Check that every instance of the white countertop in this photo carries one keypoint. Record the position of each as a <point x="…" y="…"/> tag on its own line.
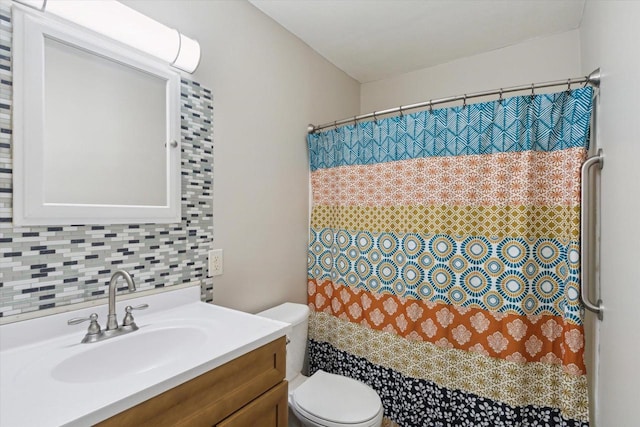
<point x="47" y="378"/>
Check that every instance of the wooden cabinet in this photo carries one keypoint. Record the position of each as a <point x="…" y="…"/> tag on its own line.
<point x="270" y="409"/>
<point x="247" y="391"/>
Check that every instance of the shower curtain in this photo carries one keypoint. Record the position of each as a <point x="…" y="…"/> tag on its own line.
<point x="444" y="261"/>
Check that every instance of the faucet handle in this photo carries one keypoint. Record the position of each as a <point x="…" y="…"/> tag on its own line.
<point x="93" y="329"/>
<point x="128" y="318"/>
<point x="137" y="307"/>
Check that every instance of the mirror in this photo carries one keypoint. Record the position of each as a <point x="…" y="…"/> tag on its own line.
<point x="109" y="158"/>
<point x="96" y="129"/>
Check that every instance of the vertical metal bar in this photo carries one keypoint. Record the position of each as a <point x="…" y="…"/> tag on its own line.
<point x="585" y="224"/>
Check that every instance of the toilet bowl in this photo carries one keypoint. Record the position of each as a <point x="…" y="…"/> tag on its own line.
<point x="331" y="400"/>
<point x="323" y="399"/>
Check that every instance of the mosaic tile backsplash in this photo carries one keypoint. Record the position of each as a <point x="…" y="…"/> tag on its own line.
<point x="46" y="267"/>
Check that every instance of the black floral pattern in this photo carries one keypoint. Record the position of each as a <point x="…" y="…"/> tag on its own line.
<point x="412" y="402"/>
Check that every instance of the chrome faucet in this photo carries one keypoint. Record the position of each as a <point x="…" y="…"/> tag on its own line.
<point x="112" y="321"/>
<point x="94" y="333"/>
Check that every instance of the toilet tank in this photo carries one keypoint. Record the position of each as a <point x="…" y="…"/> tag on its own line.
<point x="297" y="315"/>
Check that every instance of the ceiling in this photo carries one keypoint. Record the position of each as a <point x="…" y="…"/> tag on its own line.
<point x="374" y="39"/>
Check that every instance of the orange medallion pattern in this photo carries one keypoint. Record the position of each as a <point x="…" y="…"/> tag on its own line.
<point x="516" y="338"/>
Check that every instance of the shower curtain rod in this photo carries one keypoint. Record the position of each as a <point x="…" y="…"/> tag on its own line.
<point x="592" y="79"/>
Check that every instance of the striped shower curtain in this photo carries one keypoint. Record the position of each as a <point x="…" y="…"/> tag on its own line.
<point x="444" y="261"/>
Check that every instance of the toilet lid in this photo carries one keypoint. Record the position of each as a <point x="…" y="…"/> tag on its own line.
<point x="337" y="399"/>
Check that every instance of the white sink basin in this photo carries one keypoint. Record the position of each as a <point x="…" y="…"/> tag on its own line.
<point x="134" y="353"/>
<point x="42" y="360"/>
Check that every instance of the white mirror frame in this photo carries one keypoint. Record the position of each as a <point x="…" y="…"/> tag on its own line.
<point x="29" y="207"/>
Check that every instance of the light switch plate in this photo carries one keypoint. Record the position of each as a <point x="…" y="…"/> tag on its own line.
<point x="215" y="262"/>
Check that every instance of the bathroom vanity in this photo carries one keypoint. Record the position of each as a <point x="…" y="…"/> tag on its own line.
<point x="246" y="391"/>
<point x="189" y="364"/>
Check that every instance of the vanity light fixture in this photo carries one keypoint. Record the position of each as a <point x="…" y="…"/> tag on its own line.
<point x="119" y="22"/>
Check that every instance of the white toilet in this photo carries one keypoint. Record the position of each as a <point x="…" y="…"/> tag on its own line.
<point x="323" y="399"/>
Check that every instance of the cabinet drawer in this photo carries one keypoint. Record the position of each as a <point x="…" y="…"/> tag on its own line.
<point x="213" y="396"/>
<point x="269" y="410"/>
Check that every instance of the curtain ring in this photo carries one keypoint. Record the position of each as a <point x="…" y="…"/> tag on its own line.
<point x="464" y="101"/>
<point x="568" y="85"/>
<point x="431" y="106"/>
<point x="400" y="109"/>
<point x="335" y="126"/>
<point x="533" y="94"/>
<point x="375" y="119"/>
<point x="500" y="99"/>
<point x="355" y="120"/>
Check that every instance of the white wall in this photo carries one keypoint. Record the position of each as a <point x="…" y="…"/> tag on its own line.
<point x="537" y="60"/>
<point x="609" y="39"/>
<point x="267" y="86"/>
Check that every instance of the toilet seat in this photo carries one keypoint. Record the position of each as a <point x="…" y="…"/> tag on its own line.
<point x="333" y="401"/>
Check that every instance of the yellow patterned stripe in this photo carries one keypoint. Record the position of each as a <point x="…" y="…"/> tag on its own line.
<point x="516" y="384"/>
<point x="562" y="222"/>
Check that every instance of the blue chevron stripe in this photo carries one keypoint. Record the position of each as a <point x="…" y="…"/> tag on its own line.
<point x="546" y="122"/>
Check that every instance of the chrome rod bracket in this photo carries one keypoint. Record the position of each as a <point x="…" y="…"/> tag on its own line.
<point x="594" y="78"/>
<point x="585" y="225"/>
